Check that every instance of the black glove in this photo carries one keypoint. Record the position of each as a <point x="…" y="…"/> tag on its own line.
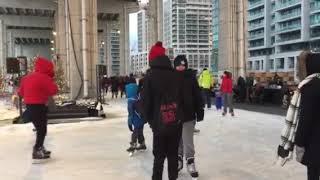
<point x="200" y="115"/>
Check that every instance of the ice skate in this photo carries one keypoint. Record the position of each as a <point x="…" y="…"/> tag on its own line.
<point x="196" y="131"/>
<point x="191" y="167"/>
<point x="232" y="114"/>
<point x="224" y="114"/>
<point x="141" y="147"/>
<point x="38" y="156"/>
<point x="131" y="149"/>
<point x="46" y="152"/>
<point x="180" y="163"/>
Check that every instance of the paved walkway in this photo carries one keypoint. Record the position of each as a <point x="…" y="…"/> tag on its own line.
<point x="240" y="148"/>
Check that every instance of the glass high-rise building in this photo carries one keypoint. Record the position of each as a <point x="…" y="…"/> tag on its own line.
<point x="278" y="30"/>
<point x="187" y="30"/>
<point x="115" y="52"/>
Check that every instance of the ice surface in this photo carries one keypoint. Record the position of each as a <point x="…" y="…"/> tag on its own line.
<point x="239" y="148"/>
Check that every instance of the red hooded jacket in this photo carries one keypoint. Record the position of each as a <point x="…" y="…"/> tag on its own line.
<point x="226" y="86"/>
<point x="37" y="87"/>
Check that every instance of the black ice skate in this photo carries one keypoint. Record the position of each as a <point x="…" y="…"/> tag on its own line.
<point x="191" y="167"/>
<point x="141" y="147"/>
<point x="131" y="149"/>
<point x="180" y="163"/>
<point x="46" y="152"/>
<point x="38" y="156"/>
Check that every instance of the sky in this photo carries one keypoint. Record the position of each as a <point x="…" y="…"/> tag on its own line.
<point x="133" y="28"/>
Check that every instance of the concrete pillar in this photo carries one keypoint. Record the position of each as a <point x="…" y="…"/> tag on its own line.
<point x="108" y="48"/>
<point x="124" y="41"/>
<point x="75" y="46"/>
<point x="2" y="48"/>
<point x="232" y="47"/>
<point x="61" y="39"/>
<point x="154" y="22"/>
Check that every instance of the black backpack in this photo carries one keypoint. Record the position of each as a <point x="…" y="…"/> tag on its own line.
<point x="170" y="109"/>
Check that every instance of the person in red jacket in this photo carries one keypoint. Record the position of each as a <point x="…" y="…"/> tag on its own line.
<point x="35" y="89"/>
<point x="226" y="89"/>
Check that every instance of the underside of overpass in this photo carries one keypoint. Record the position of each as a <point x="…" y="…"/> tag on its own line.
<point x="76" y="34"/>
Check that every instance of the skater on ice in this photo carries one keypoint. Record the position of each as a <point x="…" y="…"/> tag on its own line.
<point x="227" y="92"/>
<point x="135" y="121"/>
<point x="206" y="83"/>
<point x="193" y="111"/>
<point x="35" y="89"/>
<point x="162" y="108"/>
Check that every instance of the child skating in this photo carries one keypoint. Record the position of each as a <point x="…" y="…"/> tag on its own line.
<point x="135" y="121"/>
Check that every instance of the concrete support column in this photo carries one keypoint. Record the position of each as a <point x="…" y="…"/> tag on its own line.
<point x="108" y="48"/>
<point x="155" y="16"/>
<point x="75" y="46"/>
<point x="61" y="39"/>
<point x="124" y="41"/>
<point x="10" y="44"/>
<point x="2" y="48"/>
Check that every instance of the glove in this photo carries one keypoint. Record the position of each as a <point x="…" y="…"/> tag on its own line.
<point x="300" y="153"/>
<point x="200" y="115"/>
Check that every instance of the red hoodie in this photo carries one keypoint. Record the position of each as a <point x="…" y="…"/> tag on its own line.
<point x="226" y="86"/>
<point x="38" y="86"/>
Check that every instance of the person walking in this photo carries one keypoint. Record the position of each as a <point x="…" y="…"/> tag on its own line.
<point x="308" y="133"/>
<point x="303" y="118"/>
<point x="114" y="87"/>
<point x="193" y="111"/>
<point x="206" y="83"/>
<point x="226" y="89"/>
<point x="162" y="108"/>
<point x="135" y="121"/>
<point x="35" y="89"/>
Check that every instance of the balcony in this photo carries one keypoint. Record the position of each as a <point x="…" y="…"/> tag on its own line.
<point x="289" y="16"/>
<point x="288" y="28"/>
<point x="315" y="20"/>
<point x="256" y="36"/>
<point x="256" y="26"/>
<point x="315" y="7"/>
<point x="287" y="4"/>
<point x="256" y="4"/>
<point x="255" y="16"/>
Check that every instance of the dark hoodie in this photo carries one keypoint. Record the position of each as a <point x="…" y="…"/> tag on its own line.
<point x="160" y="79"/>
<point x="308" y="132"/>
<point x="38" y="86"/>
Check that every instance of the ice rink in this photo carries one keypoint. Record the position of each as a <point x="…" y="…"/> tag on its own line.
<point x="239" y="148"/>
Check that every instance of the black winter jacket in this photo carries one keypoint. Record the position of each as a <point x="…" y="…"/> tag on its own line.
<point x="192" y="97"/>
<point x="160" y="79"/>
<point x="308" y="132"/>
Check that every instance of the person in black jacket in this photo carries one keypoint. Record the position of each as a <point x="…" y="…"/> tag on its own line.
<point x="160" y="83"/>
<point x="193" y="111"/>
<point x="308" y="133"/>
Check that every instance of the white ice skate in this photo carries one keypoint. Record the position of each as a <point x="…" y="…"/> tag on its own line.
<point x="191" y="167"/>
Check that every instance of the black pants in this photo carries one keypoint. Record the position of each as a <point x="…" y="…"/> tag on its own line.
<point x="137" y="135"/>
<point x="38" y="114"/>
<point x="313" y="173"/>
<point x="166" y="145"/>
<point x="206" y="93"/>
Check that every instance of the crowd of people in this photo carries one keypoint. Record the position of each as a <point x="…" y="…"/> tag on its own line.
<point x="171" y="98"/>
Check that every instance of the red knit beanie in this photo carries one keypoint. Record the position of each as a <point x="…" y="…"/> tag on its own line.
<point x="156" y="51"/>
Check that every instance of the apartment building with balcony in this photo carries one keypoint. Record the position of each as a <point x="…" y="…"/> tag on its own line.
<point x="278" y="30"/>
<point x="188" y="31"/>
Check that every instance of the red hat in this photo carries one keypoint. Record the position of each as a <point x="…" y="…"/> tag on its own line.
<point x="156" y="51"/>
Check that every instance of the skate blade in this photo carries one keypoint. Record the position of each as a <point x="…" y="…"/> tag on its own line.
<point x="40" y="161"/>
<point x="131" y="154"/>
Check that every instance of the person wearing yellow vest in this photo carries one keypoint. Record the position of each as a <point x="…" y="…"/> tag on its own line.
<point x="206" y="83"/>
